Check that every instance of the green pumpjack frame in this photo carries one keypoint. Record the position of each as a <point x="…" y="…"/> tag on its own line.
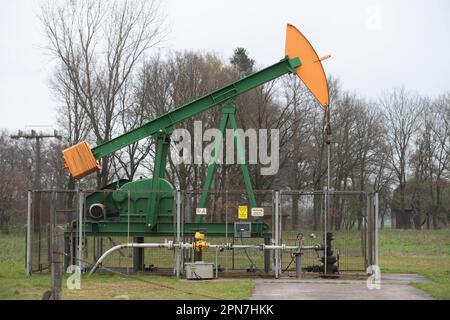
<point x="160" y="129"/>
<point x="228" y="112"/>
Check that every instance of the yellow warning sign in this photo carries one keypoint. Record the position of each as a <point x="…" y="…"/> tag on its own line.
<point x="242" y="212"/>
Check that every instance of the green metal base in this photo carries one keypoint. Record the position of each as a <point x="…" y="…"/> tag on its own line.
<point x="108" y="229"/>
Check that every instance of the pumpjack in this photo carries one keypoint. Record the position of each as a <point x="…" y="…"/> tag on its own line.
<point x="145" y="207"/>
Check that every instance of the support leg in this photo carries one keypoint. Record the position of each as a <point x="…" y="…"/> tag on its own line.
<point x="57" y="263"/>
<point x="198" y="256"/>
<point x="138" y="255"/>
<point x="227" y="115"/>
<point x="73" y="251"/>
<point x="67" y="251"/>
<point x="212" y="167"/>
<point x="267" y="256"/>
<point x="98" y="247"/>
<point x="159" y="171"/>
<point x="243" y="163"/>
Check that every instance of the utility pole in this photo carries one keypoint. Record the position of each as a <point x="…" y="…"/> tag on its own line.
<point x="38" y="137"/>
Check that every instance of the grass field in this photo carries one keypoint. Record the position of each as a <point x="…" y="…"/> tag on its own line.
<point x="401" y="251"/>
<point x="426" y="252"/>
<point x="15" y="285"/>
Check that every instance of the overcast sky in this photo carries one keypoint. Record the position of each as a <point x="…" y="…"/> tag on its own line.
<point x="375" y="45"/>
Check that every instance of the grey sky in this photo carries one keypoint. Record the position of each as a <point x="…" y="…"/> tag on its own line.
<point x="375" y="45"/>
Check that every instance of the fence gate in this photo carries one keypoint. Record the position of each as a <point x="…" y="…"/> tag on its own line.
<point x="348" y="218"/>
<point x="46" y="210"/>
<point x="223" y="209"/>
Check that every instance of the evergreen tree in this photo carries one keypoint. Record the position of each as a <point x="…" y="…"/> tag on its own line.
<point x="242" y="62"/>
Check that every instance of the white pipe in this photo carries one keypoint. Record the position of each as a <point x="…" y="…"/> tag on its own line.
<point x="285" y="247"/>
<point x="130" y="245"/>
<point x="171" y="245"/>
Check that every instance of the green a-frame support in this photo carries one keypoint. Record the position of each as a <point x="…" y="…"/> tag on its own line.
<point x="228" y="112"/>
<point x="159" y="170"/>
<point x="162" y="145"/>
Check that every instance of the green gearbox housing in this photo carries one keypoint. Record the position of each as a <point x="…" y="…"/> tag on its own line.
<point x="126" y="207"/>
<point x="129" y="201"/>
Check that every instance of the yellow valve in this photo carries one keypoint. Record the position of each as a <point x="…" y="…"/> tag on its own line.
<point x="199" y="236"/>
<point x="200" y="244"/>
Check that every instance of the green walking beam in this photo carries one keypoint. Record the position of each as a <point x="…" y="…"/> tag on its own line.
<point x="81" y="160"/>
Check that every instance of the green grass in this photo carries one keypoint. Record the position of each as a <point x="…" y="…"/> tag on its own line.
<point x="101" y="287"/>
<point x="426" y="252"/>
<point x="415" y="242"/>
<point x="439" y="288"/>
<point x="435" y="268"/>
<point x="14" y="284"/>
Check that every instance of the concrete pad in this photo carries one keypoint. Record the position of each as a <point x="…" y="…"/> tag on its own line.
<point x="393" y="287"/>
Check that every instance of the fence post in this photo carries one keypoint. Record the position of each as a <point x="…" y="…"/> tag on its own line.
<point x="368" y="247"/>
<point x="277" y="221"/>
<point x="325" y="223"/>
<point x="375" y="225"/>
<point x="80" y="229"/>
<point x="57" y="262"/>
<point x="178" y="249"/>
<point x="28" y="243"/>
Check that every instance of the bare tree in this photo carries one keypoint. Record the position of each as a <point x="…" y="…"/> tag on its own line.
<point x="402" y="114"/>
<point x="99" y="44"/>
<point x="298" y="174"/>
<point x="72" y="119"/>
<point x="15" y="177"/>
<point x="382" y="174"/>
<point x="132" y="114"/>
<point x="441" y="158"/>
<point x="430" y="161"/>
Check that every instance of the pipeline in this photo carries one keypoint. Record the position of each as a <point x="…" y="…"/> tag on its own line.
<point x="225" y="246"/>
<point x="167" y="244"/>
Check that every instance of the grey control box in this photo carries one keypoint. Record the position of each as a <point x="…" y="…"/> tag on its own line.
<point x="199" y="270"/>
<point x="242" y="229"/>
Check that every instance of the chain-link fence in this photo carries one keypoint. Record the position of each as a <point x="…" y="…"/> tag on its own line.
<point x="228" y="212"/>
<point x="345" y="217"/>
<point x="108" y="218"/>
<point x="335" y="230"/>
<point x="46" y="210"/>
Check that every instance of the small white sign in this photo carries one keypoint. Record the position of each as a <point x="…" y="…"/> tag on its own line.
<point x="201" y="211"/>
<point x="257" y="212"/>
